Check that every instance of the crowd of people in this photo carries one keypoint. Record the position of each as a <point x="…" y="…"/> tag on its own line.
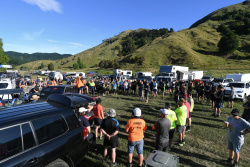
<point x="172" y="119"/>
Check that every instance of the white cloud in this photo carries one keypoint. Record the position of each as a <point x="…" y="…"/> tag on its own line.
<point x="32" y="35"/>
<point x="46" y="5"/>
<point x="53" y="41"/>
<point x="77" y="44"/>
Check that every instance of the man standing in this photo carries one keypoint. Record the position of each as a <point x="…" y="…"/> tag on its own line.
<point x="162" y="128"/>
<point x="218" y="101"/>
<point x="135" y="128"/>
<point x="110" y="128"/>
<point x="181" y="112"/>
<point x="172" y="117"/>
<point x="99" y="116"/>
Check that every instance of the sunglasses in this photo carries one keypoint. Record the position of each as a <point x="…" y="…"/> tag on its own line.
<point x="234" y="115"/>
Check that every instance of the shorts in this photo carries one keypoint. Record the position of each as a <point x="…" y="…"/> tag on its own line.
<point x="91" y="137"/>
<point x="180" y="129"/>
<point x="189" y="114"/>
<point x="98" y="121"/>
<point x="171" y="133"/>
<point x="147" y="94"/>
<point x="82" y="87"/>
<point x="113" y="142"/>
<point x="231" y="99"/>
<point x="162" y="146"/>
<point x="235" y="147"/>
<point x="218" y="104"/>
<point x="141" y="93"/>
<point x="114" y="90"/>
<point x="137" y="144"/>
<point x="162" y="91"/>
<point x="155" y="91"/>
<point x="201" y="94"/>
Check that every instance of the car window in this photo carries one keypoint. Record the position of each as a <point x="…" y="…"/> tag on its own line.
<point x="49" y="127"/>
<point x="10" y="142"/>
<point x="70" y="89"/>
<point x="28" y="138"/>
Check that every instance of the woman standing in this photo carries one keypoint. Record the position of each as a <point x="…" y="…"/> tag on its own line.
<point x="235" y="136"/>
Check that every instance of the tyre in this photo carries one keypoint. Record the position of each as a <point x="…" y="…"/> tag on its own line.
<point x="58" y="163"/>
<point x="244" y="98"/>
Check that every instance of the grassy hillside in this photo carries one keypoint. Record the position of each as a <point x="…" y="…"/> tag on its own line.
<point x="195" y="47"/>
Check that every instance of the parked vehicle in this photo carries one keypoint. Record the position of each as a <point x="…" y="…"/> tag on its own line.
<point x="74" y="74"/>
<point x="178" y="72"/>
<point x="207" y="78"/>
<point x="59" y="89"/>
<point x="40" y="134"/>
<point x="239" y="77"/>
<point x="56" y="75"/>
<point x="144" y="74"/>
<point x="241" y="90"/>
<point x="223" y="81"/>
<point x="195" y="75"/>
<point x="122" y="72"/>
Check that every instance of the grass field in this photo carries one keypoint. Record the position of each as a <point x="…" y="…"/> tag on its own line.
<point x="205" y="144"/>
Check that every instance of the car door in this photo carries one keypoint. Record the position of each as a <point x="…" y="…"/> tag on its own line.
<point x="19" y="147"/>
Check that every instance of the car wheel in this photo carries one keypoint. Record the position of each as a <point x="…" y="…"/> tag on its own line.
<point x="244" y="98"/>
<point x="58" y="163"/>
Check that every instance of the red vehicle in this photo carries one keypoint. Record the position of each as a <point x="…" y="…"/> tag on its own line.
<point x="197" y="80"/>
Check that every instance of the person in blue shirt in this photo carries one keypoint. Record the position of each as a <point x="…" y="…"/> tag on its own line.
<point x="114" y="86"/>
<point x="235" y="136"/>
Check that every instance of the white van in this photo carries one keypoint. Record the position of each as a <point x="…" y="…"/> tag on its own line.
<point x="241" y="90"/>
<point x="56" y="75"/>
<point x="239" y="77"/>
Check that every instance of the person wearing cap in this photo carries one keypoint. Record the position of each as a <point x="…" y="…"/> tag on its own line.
<point x="85" y="123"/>
<point x="135" y="128"/>
<point x="181" y="112"/>
<point x="110" y="128"/>
<point x="172" y="117"/>
<point x="162" y="128"/>
<point x="99" y="116"/>
<point x="34" y="98"/>
<point x="235" y="137"/>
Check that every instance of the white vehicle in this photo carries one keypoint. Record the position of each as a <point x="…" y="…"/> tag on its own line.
<point x="74" y="74"/>
<point x="144" y="74"/>
<point x="195" y="75"/>
<point x="223" y="81"/>
<point x="241" y="90"/>
<point x="122" y="72"/>
<point x="56" y="75"/>
<point x="239" y="77"/>
<point x="178" y="72"/>
<point x="7" y="83"/>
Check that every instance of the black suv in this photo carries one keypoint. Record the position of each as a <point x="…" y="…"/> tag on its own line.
<point x="40" y="134"/>
<point x="59" y="89"/>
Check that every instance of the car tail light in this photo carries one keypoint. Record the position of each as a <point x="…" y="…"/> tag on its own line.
<point x="85" y="133"/>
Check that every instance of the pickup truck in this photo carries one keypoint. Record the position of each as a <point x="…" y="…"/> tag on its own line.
<point x="241" y="90"/>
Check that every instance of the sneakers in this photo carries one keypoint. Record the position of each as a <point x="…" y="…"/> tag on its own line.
<point x="181" y="144"/>
<point x="236" y="164"/>
<point x="114" y="164"/>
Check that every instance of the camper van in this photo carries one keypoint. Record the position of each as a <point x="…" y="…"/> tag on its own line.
<point x="178" y="72"/>
<point x="122" y="72"/>
<point x="239" y="77"/>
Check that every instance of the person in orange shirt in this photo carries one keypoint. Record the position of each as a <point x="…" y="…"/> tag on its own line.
<point x="99" y="116"/>
<point x="135" y="128"/>
<point x="79" y="83"/>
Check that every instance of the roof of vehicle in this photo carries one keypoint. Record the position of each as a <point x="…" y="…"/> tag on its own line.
<point x="21" y="113"/>
<point x="61" y="86"/>
<point x="11" y="91"/>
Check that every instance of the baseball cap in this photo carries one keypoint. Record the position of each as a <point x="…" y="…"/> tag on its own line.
<point x="164" y="111"/>
<point x="112" y="112"/>
<point x="82" y="109"/>
<point x="137" y="112"/>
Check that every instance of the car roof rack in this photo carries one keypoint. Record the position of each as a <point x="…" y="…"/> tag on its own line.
<point x="60" y="99"/>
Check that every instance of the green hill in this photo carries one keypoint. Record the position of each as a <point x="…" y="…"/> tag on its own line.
<point x="195" y="47"/>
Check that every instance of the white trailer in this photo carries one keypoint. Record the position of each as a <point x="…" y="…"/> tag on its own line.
<point x="122" y="72"/>
<point x="239" y="77"/>
<point x="195" y="75"/>
<point x="178" y="72"/>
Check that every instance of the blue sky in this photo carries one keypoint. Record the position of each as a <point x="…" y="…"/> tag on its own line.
<point x="72" y="26"/>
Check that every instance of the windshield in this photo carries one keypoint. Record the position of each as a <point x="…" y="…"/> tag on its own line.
<point x="218" y="80"/>
<point x="205" y="77"/>
<point x="236" y="85"/>
<point x="3" y="85"/>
